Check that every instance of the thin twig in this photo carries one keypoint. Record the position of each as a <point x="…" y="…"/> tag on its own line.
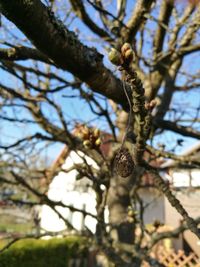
<point x="129" y="115"/>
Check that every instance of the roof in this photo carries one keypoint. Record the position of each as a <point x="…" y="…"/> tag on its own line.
<point x="193" y="152"/>
<point x="146" y="180"/>
<point x="105" y="147"/>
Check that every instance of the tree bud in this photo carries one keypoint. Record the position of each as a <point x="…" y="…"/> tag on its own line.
<point x="125" y="47"/>
<point x="115" y="57"/>
<point x="131" y="213"/>
<point x="96" y="132"/>
<point x="87" y="144"/>
<point x="98" y="142"/>
<point x="129" y="55"/>
<point x="85" y="132"/>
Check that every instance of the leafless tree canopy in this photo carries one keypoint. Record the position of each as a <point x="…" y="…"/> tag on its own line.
<point x="58" y="86"/>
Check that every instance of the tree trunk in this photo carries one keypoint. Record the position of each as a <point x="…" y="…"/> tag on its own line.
<point x="118" y="202"/>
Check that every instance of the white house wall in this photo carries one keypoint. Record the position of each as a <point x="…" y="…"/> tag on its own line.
<point x="77" y="194"/>
<point x="190" y="199"/>
<point x="184" y="178"/>
<point x="154" y="203"/>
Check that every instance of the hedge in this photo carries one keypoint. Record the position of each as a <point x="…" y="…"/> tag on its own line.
<point x="55" y="252"/>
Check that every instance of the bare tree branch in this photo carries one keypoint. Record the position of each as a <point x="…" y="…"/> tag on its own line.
<point x="80" y="11"/>
<point x="183" y="130"/>
<point x="22" y="53"/>
<point x="67" y="52"/>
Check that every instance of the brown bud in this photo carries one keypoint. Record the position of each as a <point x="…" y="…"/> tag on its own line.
<point x="87" y="144"/>
<point x="129" y="55"/>
<point x="157" y="223"/>
<point x="153" y="103"/>
<point x="85" y="131"/>
<point x="96" y="132"/>
<point x="125" y="47"/>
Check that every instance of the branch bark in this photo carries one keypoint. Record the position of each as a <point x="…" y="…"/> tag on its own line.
<point x="164" y="17"/>
<point x="172" y="126"/>
<point x="22" y="53"/>
<point x="136" y="20"/>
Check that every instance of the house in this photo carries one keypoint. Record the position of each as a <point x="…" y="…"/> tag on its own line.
<point x="185" y="183"/>
<point x="65" y="187"/>
<point x="72" y="192"/>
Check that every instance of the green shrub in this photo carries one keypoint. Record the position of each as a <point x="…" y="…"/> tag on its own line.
<point x="55" y="252"/>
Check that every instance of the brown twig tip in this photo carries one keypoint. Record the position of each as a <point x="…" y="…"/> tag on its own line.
<point x="127" y="53"/>
<point x="123" y="57"/>
<point x="91" y="136"/>
<point x="151" y="105"/>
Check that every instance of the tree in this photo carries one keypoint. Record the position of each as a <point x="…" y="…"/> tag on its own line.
<point x="153" y="44"/>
